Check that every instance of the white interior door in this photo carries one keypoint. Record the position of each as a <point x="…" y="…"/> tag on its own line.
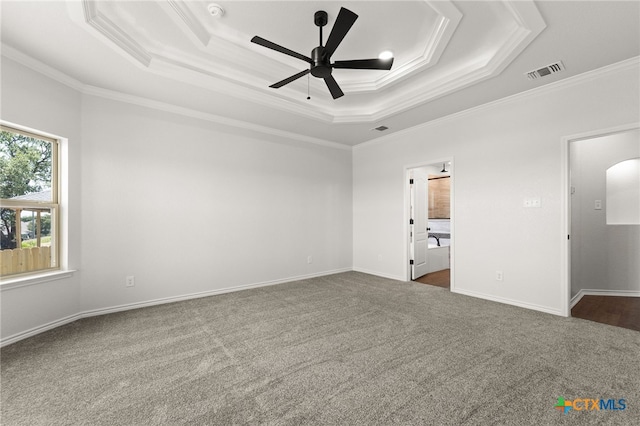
<point x="418" y="223"/>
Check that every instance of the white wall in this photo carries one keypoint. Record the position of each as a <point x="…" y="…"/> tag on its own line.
<point x="29" y="99"/>
<point x="190" y="206"/>
<point x="185" y="205"/>
<point x="503" y="153"/>
<point x="603" y="257"/>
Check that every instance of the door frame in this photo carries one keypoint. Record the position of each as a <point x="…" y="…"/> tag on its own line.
<point x="565" y="207"/>
<point x="407" y="213"/>
<point x="419" y="236"/>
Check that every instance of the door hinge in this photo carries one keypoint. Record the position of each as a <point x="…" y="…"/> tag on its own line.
<point x="410" y="221"/>
<point x="410" y="181"/>
<point x="411" y="262"/>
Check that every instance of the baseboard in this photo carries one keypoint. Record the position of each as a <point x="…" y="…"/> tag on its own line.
<point x="595" y="292"/>
<point x="136" y="305"/>
<point x="40" y="329"/>
<point x="378" y="274"/>
<point x="103" y="311"/>
<point x="510" y="302"/>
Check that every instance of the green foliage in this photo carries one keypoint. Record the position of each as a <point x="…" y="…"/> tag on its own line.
<point x="30" y="224"/>
<point x="25" y="165"/>
<point x="45" y="241"/>
<point x="25" y="168"/>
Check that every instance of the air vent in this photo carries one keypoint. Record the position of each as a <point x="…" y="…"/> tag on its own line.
<point x="545" y="71"/>
<point x="380" y="128"/>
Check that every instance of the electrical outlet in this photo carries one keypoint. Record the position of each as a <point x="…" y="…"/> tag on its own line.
<point x="499" y="276"/>
<point x="532" y="202"/>
<point x="309" y="260"/>
<point x="130" y="281"/>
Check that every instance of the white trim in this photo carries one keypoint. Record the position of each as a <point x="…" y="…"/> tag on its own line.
<point x="565" y="229"/>
<point x="39" y="329"/>
<point x="567" y="302"/>
<point x="11" y="283"/>
<point x="36" y="133"/>
<point x="378" y="274"/>
<point x="596" y="292"/>
<point x="530" y="24"/>
<point x="510" y="302"/>
<point x="125" y="307"/>
<point x="190" y="21"/>
<point x="537" y="91"/>
<point x="136" y="305"/>
<point x="60" y="77"/>
<point x="40" y="67"/>
<point x="187" y="112"/>
<point x="86" y="89"/>
<point x="110" y="30"/>
<point x="436" y="43"/>
<point x="524" y="13"/>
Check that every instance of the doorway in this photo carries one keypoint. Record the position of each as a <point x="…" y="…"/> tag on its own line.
<point x="602" y="274"/>
<point x="430" y="223"/>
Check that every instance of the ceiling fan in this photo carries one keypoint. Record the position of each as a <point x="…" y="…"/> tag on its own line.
<point x="320" y="60"/>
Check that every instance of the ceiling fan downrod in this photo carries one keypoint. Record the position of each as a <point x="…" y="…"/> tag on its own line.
<point x="320" y="18"/>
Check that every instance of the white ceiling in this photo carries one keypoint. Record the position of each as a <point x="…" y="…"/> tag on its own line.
<point x="449" y="55"/>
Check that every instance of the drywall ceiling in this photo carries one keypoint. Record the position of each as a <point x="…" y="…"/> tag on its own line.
<point x="449" y="55"/>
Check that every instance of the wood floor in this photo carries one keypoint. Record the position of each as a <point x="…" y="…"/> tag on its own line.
<point x="613" y="310"/>
<point x="438" y="278"/>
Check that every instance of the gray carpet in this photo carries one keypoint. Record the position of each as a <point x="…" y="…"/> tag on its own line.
<point x="347" y="349"/>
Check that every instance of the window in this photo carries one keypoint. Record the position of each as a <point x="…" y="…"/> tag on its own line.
<point x="29" y="210"/>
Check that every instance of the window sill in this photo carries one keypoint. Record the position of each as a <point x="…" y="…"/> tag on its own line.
<point x="23" y="281"/>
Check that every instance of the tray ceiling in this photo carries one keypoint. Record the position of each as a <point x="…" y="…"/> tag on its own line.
<point x="449" y="56"/>
<point x="181" y="40"/>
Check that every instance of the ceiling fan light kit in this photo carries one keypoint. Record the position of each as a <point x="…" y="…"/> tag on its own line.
<point x="320" y="65"/>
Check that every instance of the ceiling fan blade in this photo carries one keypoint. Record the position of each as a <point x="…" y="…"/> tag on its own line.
<point x="365" y="64"/>
<point x="278" y="48"/>
<point x="343" y="24"/>
<point x="332" y="84"/>
<point x="290" y="79"/>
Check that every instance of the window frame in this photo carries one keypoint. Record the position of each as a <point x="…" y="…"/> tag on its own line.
<point x="53" y="205"/>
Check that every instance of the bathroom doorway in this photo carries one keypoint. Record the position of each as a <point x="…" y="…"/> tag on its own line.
<point x="604" y="226"/>
<point x="435" y="258"/>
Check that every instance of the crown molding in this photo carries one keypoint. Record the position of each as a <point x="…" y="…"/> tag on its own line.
<point x="60" y="77"/>
<point x="213" y="118"/>
<point x="190" y="21"/>
<point x="114" y="33"/>
<point x="235" y="73"/>
<point x="437" y="42"/>
<point x="424" y="93"/>
<point x="198" y="76"/>
<point x="625" y="65"/>
<point x="40" y="67"/>
<point x="529" y="25"/>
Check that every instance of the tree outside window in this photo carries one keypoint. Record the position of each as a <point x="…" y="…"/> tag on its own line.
<point x="28" y="201"/>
